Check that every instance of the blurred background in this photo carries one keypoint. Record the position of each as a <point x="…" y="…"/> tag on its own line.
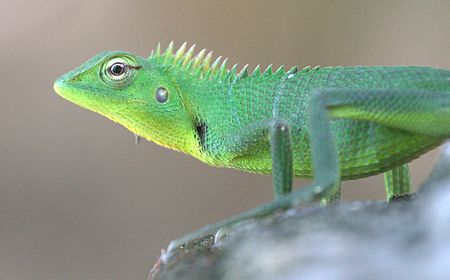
<point x="79" y="200"/>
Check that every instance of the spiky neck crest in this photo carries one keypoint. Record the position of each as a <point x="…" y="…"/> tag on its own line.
<point x="201" y="66"/>
<point x="193" y="75"/>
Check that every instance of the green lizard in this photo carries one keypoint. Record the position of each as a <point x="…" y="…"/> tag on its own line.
<point x="329" y="124"/>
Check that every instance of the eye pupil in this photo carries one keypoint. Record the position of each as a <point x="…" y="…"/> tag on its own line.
<point x="117" y="69"/>
<point x="161" y="95"/>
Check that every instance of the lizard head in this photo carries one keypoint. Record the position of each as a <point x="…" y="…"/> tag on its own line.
<point x="134" y="92"/>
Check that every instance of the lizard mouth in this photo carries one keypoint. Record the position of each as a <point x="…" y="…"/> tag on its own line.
<point x="74" y="93"/>
<point x="87" y="97"/>
<point x="110" y="106"/>
<point x="68" y="87"/>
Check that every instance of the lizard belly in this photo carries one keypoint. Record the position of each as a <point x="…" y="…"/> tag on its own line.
<point x="365" y="149"/>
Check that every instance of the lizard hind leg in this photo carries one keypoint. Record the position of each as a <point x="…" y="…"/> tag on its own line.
<point x="397" y="182"/>
<point x="419" y="112"/>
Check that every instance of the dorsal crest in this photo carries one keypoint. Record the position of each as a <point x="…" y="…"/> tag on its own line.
<point x="204" y="67"/>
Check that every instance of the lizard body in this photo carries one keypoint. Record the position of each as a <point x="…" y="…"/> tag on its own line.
<point x="264" y="121"/>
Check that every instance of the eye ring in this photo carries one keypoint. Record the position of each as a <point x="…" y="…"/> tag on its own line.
<point x="161" y="95"/>
<point x="119" y="71"/>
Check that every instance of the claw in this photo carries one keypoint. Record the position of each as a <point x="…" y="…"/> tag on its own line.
<point x="221" y="234"/>
<point x="137" y="139"/>
<point x="173" y="246"/>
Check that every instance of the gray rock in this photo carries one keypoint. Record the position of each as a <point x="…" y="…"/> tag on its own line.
<point x="406" y="239"/>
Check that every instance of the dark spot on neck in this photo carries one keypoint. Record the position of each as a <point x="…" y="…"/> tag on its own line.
<point x="202" y="129"/>
<point x="135" y="67"/>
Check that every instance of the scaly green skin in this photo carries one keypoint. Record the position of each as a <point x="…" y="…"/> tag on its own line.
<point x="366" y="120"/>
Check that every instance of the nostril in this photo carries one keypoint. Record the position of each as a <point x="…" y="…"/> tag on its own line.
<point x="69" y="78"/>
<point x="75" y="79"/>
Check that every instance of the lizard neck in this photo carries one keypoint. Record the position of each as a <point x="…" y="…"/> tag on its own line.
<point x="197" y="95"/>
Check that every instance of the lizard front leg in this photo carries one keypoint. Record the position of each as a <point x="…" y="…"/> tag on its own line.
<point x="278" y="134"/>
<point x="240" y="143"/>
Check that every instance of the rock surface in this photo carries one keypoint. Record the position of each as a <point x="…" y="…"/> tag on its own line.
<point x="407" y="239"/>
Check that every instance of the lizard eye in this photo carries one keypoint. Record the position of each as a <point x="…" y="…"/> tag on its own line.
<point x="161" y="95"/>
<point x="117" y="69"/>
